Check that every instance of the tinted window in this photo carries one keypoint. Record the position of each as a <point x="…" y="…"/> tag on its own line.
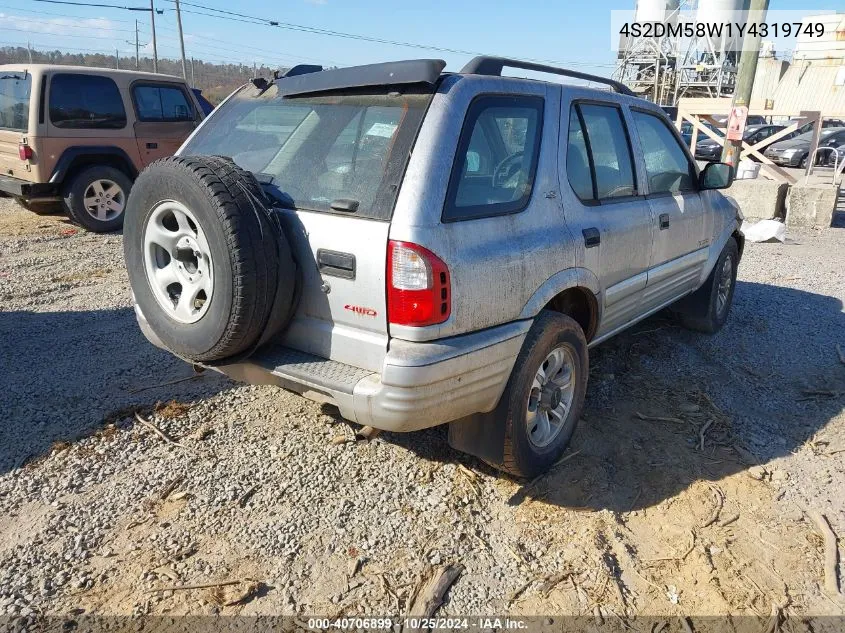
<point x="667" y="167"/>
<point x="162" y="103"/>
<point x="15" y="88"/>
<point x="85" y="101"/>
<point x="497" y="156"/>
<point x="608" y="150"/>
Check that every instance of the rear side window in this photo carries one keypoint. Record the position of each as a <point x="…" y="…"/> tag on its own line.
<point x="599" y="162"/>
<point x="162" y="103"/>
<point x="667" y="167"/>
<point x="15" y="88"/>
<point x="85" y="102"/>
<point x="497" y="155"/>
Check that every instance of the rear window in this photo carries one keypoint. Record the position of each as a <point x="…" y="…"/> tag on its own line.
<point x="15" y="88"/>
<point x="85" y="102"/>
<point x="311" y="151"/>
<point x="162" y="103"/>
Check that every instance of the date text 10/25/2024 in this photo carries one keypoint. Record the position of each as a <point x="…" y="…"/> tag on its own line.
<point x="418" y="624"/>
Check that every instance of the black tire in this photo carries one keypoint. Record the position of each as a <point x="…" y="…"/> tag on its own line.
<point x="74" y="197"/>
<point x="804" y="160"/>
<point x="550" y="330"/>
<point x="251" y="263"/>
<point x="700" y="310"/>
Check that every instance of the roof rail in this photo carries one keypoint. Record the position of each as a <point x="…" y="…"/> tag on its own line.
<point x="484" y="65"/>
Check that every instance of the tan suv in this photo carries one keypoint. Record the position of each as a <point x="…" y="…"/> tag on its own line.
<point x="79" y="136"/>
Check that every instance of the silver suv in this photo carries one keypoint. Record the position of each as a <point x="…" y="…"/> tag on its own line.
<point x="419" y="247"/>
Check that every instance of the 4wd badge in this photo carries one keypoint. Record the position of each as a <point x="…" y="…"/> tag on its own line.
<point x="360" y="310"/>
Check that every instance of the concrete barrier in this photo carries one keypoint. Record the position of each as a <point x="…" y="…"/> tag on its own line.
<point x="759" y="199"/>
<point x="811" y="205"/>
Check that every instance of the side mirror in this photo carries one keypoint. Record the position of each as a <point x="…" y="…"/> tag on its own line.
<point x="716" y="176"/>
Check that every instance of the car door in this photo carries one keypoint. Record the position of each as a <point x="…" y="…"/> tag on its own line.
<point x="680" y="222"/>
<point x="603" y="210"/>
<point x="165" y="116"/>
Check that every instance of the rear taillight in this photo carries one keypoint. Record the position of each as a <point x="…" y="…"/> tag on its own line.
<point x="418" y="288"/>
<point x="25" y="152"/>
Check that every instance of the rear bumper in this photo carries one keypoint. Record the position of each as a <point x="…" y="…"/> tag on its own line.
<point x="421" y="384"/>
<point x="782" y="161"/>
<point x="25" y="189"/>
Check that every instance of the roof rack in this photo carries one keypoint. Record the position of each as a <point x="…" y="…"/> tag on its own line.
<point x="484" y="65"/>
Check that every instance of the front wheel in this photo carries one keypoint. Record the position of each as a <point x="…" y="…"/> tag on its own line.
<point x="707" y="309"/>
<point x="545" y="394"/>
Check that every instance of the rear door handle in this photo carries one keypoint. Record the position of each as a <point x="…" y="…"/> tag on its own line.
<point x="152" y="145"/>
<point x="664" y="221"/>
<point x="336" y="264"/>
<point x="592" y="237"/>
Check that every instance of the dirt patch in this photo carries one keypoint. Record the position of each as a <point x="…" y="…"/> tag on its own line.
<point x="172" y="410"/>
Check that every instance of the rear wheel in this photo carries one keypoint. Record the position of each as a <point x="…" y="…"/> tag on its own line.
<point x="545" y="394"/>
<point x="96" y="198"/>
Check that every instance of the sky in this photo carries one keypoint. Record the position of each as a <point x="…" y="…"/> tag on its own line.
<point x="569" y="33"/>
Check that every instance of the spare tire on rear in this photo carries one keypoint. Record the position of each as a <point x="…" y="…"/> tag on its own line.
<point x="209" y="266"/>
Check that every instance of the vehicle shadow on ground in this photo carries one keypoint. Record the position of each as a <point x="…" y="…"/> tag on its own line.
<point x="756" y="391"/>
<point x="63" y="377"/>
<point x="656" y="390"/>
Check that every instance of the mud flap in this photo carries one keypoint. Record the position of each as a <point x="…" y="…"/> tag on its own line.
<point x="481" y="434"/>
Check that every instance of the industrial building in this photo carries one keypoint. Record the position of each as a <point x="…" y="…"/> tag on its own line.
<point x="667" y="70"/>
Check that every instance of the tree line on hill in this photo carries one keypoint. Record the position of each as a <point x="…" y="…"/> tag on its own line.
<point x="215" y="80"/>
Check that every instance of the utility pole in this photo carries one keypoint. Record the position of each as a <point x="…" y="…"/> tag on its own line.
<point x="153" y="26"/>
<point x="117" y="59"/>
<point x="29" y="51"/>
<point x="193" y="83"/>
<point x="137" y="47"/>
<point x="745" y="73"/>
<point x="254" y="69"/>
<point x="181" y="40"/>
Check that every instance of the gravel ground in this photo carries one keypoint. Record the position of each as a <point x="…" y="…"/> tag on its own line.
<point x="253" y="482"/>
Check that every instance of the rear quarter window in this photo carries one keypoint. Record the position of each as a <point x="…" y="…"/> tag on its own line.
<point x="496" y="161"/>
<point x="86" y="102"/>
<point x="15" y="90"/>
<point x="162" y="103"/>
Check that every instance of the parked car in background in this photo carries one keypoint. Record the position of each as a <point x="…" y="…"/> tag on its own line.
<point x="808" y="127"/>
<point x="710" y="150"/>
<point x="795" y="152"/>
<point x="79" y="136"/>
<point x="832" y="159"/>
<point x="421" y="248"/>
<point x="686" y="132"/>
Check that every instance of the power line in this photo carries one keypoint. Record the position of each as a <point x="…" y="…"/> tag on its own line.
<point x="250" y="19"/>
<point x="64" y="26"/>
<point x="84" y="37"/>
<point x="60" y="15"/>
<point x="47" y="48"/>
<point x="94" y="4"/>
<point x="251" y="50"/>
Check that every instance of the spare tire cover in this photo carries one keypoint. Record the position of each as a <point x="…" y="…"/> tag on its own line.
<point x="207" y="262"/>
